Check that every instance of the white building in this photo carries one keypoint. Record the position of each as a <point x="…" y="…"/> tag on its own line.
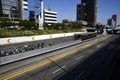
<point x="50" y="16"/>
<point x="46" y="16"/>
<point x="25" y="4"/>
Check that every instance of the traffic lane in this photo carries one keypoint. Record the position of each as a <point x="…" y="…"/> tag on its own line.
<point x="115" y="71"/>
<point x="29" y="61"/>
<point x="100" y="64"/>
<point x="12" y="67"/>
<point x="86" y="54"/>
<point x="46" y="72"/>
<point x="93" y="64"/>
<point x="106" y="67"/>
<point x="36" y="58"/>
<point x="42" y="71"/>
<point x="74" y="50"/>
<point x="37" y="74"/>
<point x="91" y="50"/>
<point x="67" y="61"/>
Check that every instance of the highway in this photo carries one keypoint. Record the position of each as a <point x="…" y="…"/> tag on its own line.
<point x="85" y="61"/>
<point x="97" y="67"/>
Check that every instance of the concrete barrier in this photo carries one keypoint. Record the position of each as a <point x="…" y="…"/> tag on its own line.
<point x="11" y="40"/>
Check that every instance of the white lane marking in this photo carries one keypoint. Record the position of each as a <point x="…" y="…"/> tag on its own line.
<point x="91" y="51"/>
<point x="79" y="57"/>
<point x="58" y="69"/>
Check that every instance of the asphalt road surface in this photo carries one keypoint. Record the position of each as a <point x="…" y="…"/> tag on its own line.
<point x="97" y="67"/>
<point x="86" y="61"/>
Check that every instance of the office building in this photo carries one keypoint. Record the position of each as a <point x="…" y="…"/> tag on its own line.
<point x="81" y="12"/>
<point x="109" y="22"/>
<point x="50" y="17"/>
<point x="87" y="11"/>
<point x="46" y="16"/>
<point x="13" y="9"/>
<point x="32" y="15"/>
<point x="25" y="4"/>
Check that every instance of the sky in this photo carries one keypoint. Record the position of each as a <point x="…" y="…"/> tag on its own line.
<point x="66" y="9"/>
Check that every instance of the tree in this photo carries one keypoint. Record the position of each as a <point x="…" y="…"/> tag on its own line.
<point x="6" y="24"/>
<point x="3" y="22"/>
<point x="28" y="25"/>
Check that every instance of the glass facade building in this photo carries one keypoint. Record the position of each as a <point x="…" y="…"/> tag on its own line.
<point x="11" y="9"/>
<point x="32" y="15"/>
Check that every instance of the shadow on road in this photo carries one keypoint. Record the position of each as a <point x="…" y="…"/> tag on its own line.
<point x="99" y="66"/>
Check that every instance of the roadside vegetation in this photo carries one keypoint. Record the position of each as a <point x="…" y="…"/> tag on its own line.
<point x="28" y="28"/>
<point x="17" y="33"/>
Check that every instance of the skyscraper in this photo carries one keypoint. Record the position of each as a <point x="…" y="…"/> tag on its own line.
<point x="87" y="11"/>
